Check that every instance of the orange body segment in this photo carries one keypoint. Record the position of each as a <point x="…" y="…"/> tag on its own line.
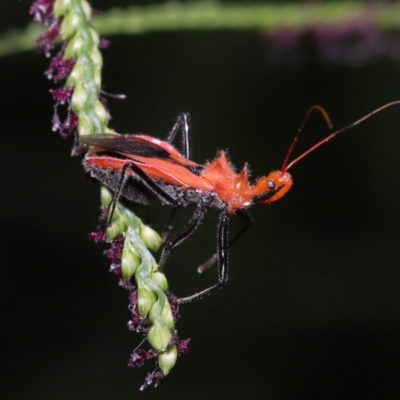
<point x="157" y="169"/>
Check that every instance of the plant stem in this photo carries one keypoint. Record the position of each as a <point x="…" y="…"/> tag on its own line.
<point x="211" y="15"/>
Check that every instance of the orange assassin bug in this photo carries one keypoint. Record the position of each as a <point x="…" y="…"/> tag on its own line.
<point x="134" y="166"/>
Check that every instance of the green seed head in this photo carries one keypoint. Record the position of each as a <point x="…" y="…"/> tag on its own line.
<point x="78" y="99"/>
<point x="159" y="337"/>
<point x="96" y="57"/>
<point x="61" y="7"/>
<point x="101" y="112"/>
<point x="113" y="231"/>
<point x="95" y="36"/>
<point x="105" y="196"/>
<point x="76" y="76"/>
<point x="74" y="47"/>
<point x="146" y="299"/>
<point x="69" y="25"/>
<point x="150" y="238"/>
<point x="119" y="225"/>
<point x="87" y="9"/>
<point x="167" y="360"/>
<point x="84" y="126"/>
<point x="160" y="279"/>
<point x="165" y="315"/>
<point x="129" y="263"/>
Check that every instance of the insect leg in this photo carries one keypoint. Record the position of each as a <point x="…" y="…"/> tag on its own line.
<point x="168" y="226"/>
<point x="150" y="183"/>
<point x="183" y="234"/>
<point x="222" y="262"/>
<point x="182" y="123"/>
<point x="117" y="195"/>
<point x="248" y="223"/>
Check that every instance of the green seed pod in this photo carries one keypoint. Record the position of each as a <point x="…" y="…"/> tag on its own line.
<point x="96" y="57"/>
<point x="159" y="337"/>
<point x="165" y="315"/>
<point x="122" y="219"/>
<point x="87" y="9"/>
<point x="84" y="126"/>
<point x="119" y="225"/>
<point x="101" y="112"/>
<point x="74" y="47"/>
<point x="113" y="231"/>
<point x="76" y="76"/>
<point x="154" y="266"/>
<point x="95" y="36"/>
<point x="146" y="299"/>
<point x="69" y="25"/>
<point x="129" y="263"/>
<point x="167" y="360"/>
<point x="78" y="98"/>
<point x="106" y="197"/>
<point x="97" y="77"/>
<point x="61" y="7"/>
<point x="160" y="279"/>
<point x="150" y="238"/>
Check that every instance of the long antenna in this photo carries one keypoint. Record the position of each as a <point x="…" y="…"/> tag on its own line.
<point x="332" y="135"/>
<point x="296" y="138"/>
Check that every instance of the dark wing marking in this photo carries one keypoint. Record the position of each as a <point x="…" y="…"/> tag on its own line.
<point x="129" y="146"/>
<point x="125" y="144"/>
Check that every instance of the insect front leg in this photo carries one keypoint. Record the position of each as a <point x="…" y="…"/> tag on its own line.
<point x="222" y="252"/>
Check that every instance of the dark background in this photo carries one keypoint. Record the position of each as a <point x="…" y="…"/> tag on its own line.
<point x="312" y="308"/>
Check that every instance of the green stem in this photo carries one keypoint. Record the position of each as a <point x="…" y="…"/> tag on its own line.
<point x="212" y="15"/>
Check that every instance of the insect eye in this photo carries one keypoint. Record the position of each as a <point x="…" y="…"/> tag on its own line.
<point x="271" y="185"/>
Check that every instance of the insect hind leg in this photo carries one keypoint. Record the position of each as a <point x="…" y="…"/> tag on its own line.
<point x="182" y="123"/>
